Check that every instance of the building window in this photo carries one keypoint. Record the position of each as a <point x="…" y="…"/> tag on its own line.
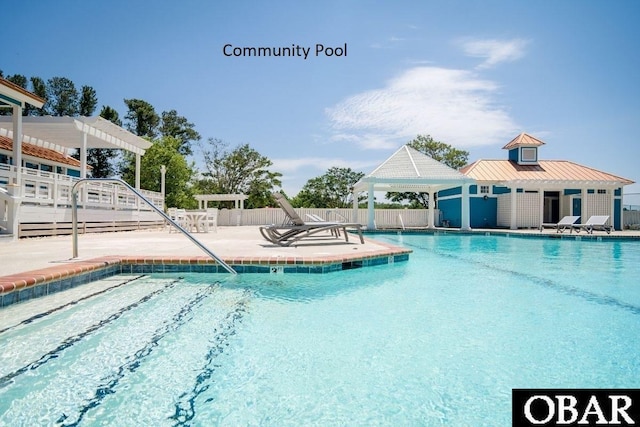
<point x="31" y="165"/>
<point x="601" y="191"/>
<point x="528" y="154"/>
<point x="484" y="189"/>
<point x="4" y="159"/>
<point x="46" y="168"/>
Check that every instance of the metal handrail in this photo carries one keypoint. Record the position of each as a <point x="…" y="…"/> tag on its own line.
<point x="74" y="215"/>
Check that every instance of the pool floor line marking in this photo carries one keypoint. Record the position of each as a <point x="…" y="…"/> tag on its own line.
<point x="185" y="407"/>
<point x="110" y="383"/>
<point x="548" y="283"/>
<point x="70" y="303"/>
<point x="68" y="342"/>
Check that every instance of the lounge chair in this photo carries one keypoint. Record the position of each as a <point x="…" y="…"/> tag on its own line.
<point x="595" y="222"/>
<point x="295" y="228"/>
<point x="565" y="223"/>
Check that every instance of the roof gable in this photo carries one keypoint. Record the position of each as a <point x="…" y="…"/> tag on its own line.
<point x="410" y="170"/>
<point x="524" y="139"/>
<point x="409" y="163"/>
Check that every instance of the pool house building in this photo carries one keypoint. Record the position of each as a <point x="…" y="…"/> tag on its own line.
<point x="524" y="191"/>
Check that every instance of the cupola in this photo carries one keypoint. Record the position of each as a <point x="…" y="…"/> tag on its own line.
<point x="523" y="149"/>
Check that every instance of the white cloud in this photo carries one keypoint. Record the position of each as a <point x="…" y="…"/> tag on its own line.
<point x="495" y="51"/>
<point x="453" y="106"/>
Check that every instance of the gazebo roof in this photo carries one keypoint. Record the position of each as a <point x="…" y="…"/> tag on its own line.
<point x="410" y="170"/>
<point x="64" y="133"/>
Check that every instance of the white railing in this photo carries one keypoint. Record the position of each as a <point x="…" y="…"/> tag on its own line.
<point x="53" y="189"/>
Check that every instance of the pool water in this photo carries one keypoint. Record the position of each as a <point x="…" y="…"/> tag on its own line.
<point x="439" y="340"/>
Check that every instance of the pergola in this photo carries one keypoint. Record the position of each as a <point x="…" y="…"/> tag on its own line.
<point x="66" y="133"/>
<point x="408" y="170"/>
<point x="238" y="199"/>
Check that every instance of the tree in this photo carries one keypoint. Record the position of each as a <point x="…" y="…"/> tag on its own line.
<point x="102" y="160"/>
<point x="179" y="128"/>
<point x="62" y="97"/>
<point x="240" y="171"/>
<point x="331" y="190"/>
<point x="439" y="151"/>
<point x="164" y="151"/>
<point x="88" y="101"/>
<point x="39" y="88"/>
<point x="142" y="118"/>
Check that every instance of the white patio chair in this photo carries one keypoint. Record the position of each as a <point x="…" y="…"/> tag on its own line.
<point x="211" y="220"/>
<point x="179" y="216"/>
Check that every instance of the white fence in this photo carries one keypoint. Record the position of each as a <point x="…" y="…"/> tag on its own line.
<point x="384" y="218"/>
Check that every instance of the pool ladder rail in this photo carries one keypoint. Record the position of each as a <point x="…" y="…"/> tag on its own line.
<point x="74" y="215"/>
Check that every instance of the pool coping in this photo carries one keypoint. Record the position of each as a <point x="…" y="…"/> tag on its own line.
<point x="19" y="287"/>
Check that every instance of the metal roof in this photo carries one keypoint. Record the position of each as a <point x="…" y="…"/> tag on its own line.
<point x="410" y="170"/>
<point x="524" y="139"/>
<point x="64" y="133"/>
<point x="546" y="171"/>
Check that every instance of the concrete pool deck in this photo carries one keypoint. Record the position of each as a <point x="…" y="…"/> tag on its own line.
<point x="33" y="261"/>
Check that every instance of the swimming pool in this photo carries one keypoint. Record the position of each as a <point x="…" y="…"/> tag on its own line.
<point x="439" y="340"/>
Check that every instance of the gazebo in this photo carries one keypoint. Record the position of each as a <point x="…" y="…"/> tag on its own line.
<point x="408" y="170"/>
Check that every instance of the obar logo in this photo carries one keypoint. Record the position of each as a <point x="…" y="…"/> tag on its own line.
<point x="575" y="407"/>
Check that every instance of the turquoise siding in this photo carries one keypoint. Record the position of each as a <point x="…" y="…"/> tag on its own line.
<point x="484" y="213"/>
<point x="451" y="209"/>
<point x="617" y="209"/>
<point x="501" y="190"/>
<point x="450" y="192"/>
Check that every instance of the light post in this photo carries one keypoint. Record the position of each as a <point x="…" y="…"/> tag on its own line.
<point x="163" y="172"/>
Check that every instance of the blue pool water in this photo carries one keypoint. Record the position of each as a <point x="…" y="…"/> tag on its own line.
<point x="439" y="340"/>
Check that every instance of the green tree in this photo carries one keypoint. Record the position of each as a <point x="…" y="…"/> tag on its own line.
<point x="142" y="118"/>
<point x="102" y="159"/>
<point x="240" y="171"/>
<point x="164" y="151"/>
<point x="39" y="88"/>
<point x="62" y="97"/>
<point x="331" y="190"/>
<point x="88" y="101"/>
<point x="439" y="151"/>
<point x="179" y="128"/>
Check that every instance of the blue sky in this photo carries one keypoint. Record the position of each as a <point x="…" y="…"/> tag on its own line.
<point x="473" y="74"/>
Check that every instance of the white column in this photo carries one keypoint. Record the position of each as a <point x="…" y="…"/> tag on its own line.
<point x="83" y="156"/>
<point x="514" y="209"/>
<point x="466" y="217"/>
<point x="371" y="213"/>
<point x="432" y="208"/>
<point x="541" y="207"/>
<point x="612" y="217"/>
<point x="17" y="145"/>
<point x="137" y="171"/>
<point x="354" y="199"/>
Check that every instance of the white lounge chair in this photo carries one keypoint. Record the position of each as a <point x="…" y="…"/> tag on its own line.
<point x="565" y="223"/>
<point x="595" y="222"/>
